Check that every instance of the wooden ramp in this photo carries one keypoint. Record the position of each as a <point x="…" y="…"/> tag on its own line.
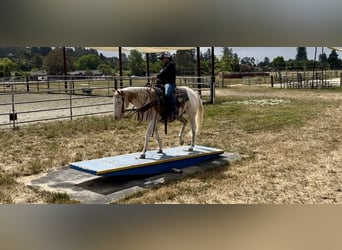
<point x="155" y="163"/>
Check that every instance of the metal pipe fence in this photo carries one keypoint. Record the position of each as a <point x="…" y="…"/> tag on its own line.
<point x="58" y="98"/>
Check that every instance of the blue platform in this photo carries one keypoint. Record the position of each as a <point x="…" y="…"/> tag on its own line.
<point x="155" y="163"/>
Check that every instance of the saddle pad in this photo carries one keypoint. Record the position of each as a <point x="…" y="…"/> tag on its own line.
<point x="181" y="95"/>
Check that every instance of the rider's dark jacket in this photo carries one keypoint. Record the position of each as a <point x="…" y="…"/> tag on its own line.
<point x="168" y="73"/>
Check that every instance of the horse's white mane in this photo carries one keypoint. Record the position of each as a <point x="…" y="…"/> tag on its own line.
<point x="135" y="89"/>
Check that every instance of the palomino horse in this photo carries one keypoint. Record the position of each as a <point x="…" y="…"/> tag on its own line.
<point x="146" y="101"/>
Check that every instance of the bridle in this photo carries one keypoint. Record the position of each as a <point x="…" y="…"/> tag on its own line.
<point x="136" y="110"/>
<point x="142" y="109"/>
<point x="123" y="102"/>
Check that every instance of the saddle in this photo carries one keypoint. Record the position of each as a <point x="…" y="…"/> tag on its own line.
<point x="180" y="96"/>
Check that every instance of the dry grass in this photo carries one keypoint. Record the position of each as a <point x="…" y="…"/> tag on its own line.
<point x="294" y="162"/>
<point x="291" y="150"/>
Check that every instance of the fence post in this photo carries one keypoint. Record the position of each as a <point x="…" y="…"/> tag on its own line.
<point x="198" y="62"/>
<point x="73" y="85"/>
<point x="121" y="82"/>
<point x="272" y="81"/>
<point x="48" y="85"/>
<point x="70" y="101"/>
<point x="27" y="84"/>
<point x="340" y="79"/>
<point x="212" y="90"/>
<point x="108" y="88"/>
<point x="13" y="115"/>
<point x="65" y="70"/>
<point x="115" y="84"/>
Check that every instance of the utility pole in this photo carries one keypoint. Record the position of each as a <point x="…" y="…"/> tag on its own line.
<point x="120" y="67"/>
<point x="212" y="84"/>
<point x="199" y="71"/>
<point x="65" y="70"/>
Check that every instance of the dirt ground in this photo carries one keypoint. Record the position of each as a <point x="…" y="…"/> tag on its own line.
<point x="32" y="107"/>
<point x="293" y="165"/>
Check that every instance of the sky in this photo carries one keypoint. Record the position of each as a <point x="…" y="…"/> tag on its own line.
<point x="259" y="53"/>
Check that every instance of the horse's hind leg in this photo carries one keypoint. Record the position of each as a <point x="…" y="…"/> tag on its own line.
<point x="181" y="132"/>
<point x="193" y="131"/>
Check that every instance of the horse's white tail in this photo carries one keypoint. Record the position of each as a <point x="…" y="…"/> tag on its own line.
<point x="199" y="114"/>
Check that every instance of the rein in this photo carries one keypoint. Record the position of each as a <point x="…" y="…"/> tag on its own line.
<point x="132" y="111"/>
<point x="148" y="106"/>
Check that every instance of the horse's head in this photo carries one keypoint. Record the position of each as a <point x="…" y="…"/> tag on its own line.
<point x="120" y="104"/>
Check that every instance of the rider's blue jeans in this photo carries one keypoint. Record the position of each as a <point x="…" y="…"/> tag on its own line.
<point x="169" y="89"/>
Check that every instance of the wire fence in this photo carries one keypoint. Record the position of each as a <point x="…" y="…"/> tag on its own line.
<point x="64" y="97"/>
<point x="308" y="79"/>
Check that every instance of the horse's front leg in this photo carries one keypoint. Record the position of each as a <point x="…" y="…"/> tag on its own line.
<point x="150" y="128"/>
<point x="160" y="145"/>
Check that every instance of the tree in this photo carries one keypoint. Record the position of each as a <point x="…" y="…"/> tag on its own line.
<point x="247" y="64"/>
<point x="291" y="64"/>
<point x="323" y="60"/>
<point x="36" y="62"/>
<point x="229" y="61"/>
<point x="153" y="57"/>
<point x="24" y="55"/>
<point x="301" y="54"/>
<point x="125" y="63"/>
<point x="6" y="66"/>
<point x="267" y="61"/>
<point x="54" y="64"/>
<point x="105" y="69"/>
<point x="136" y="63"/>
<point x="155" y="64"/>
<point x="278" y="63"/>
<point x="301" y="58"/>
<point x="235" y="63"/>
<point x="333" y="59"/>
<point x="205" y="62"/>
<point x="265" y="65"/>
<point x="78" y="52"/>
<point x="44" y="51"/>
<point x="88" y="62"/>
<point x="185" y="61"/>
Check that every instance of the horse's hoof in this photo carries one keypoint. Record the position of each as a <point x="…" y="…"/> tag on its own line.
<point x="191" y="149"/>
<point x="142" y="156"/>
<point x="160" y="151"/>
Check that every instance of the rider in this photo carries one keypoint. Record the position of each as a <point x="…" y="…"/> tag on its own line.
<point x="167" y="76"/>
